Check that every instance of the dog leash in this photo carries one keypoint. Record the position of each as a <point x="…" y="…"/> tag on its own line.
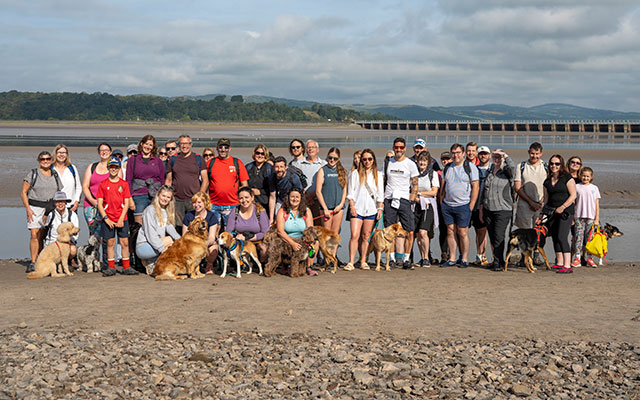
<point x="375" y="227"/>
<point x="322" y="215"/>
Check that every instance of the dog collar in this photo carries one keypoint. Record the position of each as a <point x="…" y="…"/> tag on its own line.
<point x="312" y="251"/>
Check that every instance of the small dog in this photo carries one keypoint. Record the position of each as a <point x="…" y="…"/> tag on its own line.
<point x="240" y="251"/>
<point x="527" y="241"/>
<point x="382" y="242"/>
<point x="184" y="255"/>
<point x="610" y="232"/>
<point x="56" y="253"/>
<point x="277" y="247"/>
<point x="89" y="255"/>
<point x="329" y="242"/>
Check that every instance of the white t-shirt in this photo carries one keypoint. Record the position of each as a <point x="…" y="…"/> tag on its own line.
<point x="586" y="196"/>
<point x="69" y="216"/>
<point x="399" y="174"/>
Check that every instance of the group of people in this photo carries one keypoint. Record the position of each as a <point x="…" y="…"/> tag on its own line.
<point x="163" y="189"/>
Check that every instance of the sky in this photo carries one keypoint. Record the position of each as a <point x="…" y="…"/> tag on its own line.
<point x="428" y="52"/>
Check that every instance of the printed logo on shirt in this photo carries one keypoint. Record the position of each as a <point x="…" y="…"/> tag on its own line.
<point x="397" y="171"/>
<point x="120" y="189"/>
<point x="232" y="169"/>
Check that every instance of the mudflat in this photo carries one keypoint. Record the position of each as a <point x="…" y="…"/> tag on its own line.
<point x="601" y="304"/>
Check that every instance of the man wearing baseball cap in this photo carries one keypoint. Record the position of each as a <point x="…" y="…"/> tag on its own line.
<point x="477" y="220"/>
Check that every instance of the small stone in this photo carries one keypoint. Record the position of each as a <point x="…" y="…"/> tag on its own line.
<point x="362" y="376"/>
<point x="22" y="325"/>
<point x="520" y="390"/>
<point x="31" y="346"/>
<point x="577" y="368"/>
<point x="340" y="356"/>
<point x="157" y="363"/>
<point x="389" y="367"/>
<point x="157" y="379"/>
<point x="204" y="357"/>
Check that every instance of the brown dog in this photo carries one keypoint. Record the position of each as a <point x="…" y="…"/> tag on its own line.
<point x="55" y="253"/>
<point x="382" y="242"/>
<point x="329" y="242"/>
<point x="277" y="247"/>
<point x="185" y="254"/>
<point x="239" y="250"/>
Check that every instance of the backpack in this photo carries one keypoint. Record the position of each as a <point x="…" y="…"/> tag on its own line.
<point x="198" y="160"/>
<point x="513" y="188"/>
<point x="34" y="178"/>
<point x="235" y="164"/>
<point x="298" y="171"/>
<point x="466" y="167"/>
<point x="47" y="229"/>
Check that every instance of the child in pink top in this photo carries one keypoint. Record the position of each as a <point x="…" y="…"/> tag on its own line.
<point x="587" y="214"/>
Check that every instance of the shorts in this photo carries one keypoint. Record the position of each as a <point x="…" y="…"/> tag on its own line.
<point x="475" y="220"/>
<point x="37" y="221"/>
<point x="424" y="221"/>
<point x="367" y="218"/>
<point x="525" y="216"/>
<point x="141" y="201"/>
<point x="459" y="216"/>
<point x="222" y="212"/>
<point x="402" y="214"/>
<point x="108" y="233"/>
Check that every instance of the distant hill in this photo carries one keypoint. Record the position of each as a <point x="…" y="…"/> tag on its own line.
<point x="497" y="112"/>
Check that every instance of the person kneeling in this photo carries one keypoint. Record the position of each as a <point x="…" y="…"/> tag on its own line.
<point x="59" y="215"/>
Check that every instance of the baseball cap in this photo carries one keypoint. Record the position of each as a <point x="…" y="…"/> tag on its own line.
<point x="114" y="161"/>
<point x="132" y="147"/>
<point x="117" y="152"/>
<point x="224" y="142"/>
<point x="445" y="155"/>
<point x="483" y="149"/>
<point x="420" y="142"/>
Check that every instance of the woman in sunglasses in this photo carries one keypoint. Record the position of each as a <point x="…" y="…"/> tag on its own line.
<point x="158" y="230"/>
<point x="38" y="188"/>
<point x="145" y="174"/>
<point x="260" y="172"/>
<point x="574" y="167"/>
<point x="560" y="195"/>
<point x="331" y="190"/>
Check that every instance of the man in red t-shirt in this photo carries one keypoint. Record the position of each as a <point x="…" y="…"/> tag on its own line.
<point x="226" y="175"/>
<point x="114" y="200"/>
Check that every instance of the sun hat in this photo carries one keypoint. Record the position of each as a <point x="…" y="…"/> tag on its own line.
<point x="420" y="142"/>
<point x="114" y="161"/>
<point x="60" y="196"/>
<point x="483" y="149"/>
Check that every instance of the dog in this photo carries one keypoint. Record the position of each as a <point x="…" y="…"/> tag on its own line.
<point x="277" y="247"/>
<point x="184" y="255"/>
<point x="527" y="241"/>
<point x="238" y="250"/>
<point x="610" y="232"/>
<point x="56" y="253"/>
<point x="89" y="255"/>
<point x="329" y="242"/>
<point x="382" y="242"/>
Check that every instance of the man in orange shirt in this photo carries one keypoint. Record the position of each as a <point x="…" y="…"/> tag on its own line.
<point x="226" y="175"/>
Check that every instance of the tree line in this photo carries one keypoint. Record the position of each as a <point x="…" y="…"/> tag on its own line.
<point x="97" y="106"/>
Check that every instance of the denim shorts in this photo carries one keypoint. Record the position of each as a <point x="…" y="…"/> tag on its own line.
<point x="141" y="201"/>
<point x="367" y="218"/>
<point x="459" y="216"/>
<point x="222" y="212"/>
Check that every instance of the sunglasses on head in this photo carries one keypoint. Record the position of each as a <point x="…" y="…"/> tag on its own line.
<point x="171" y="148"/>
<point x="167" y="187"/>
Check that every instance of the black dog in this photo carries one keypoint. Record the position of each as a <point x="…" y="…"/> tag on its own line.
<point x="527" y="241"/>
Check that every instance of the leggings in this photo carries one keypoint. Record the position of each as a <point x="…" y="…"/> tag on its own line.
<point x="559" y="230"/>
<point x="581" y="232"/>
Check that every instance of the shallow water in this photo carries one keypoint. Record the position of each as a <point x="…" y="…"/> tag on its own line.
<point x="15" y="242"/>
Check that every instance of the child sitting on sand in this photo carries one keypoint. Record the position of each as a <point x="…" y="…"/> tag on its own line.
<point x="587" y="214"/>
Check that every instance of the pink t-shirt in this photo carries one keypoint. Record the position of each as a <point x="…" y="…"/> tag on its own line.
<point x="586" y="200"/>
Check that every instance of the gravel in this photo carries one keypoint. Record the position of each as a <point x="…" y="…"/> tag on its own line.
<point x="59" y="363"/>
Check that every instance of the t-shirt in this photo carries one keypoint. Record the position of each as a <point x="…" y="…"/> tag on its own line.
<point x="558" y="193"/>
<point x="145" y="168"/>
<point x="399" y="174"/>
<point x="458" y="185"/>
<point x="260" y="178"/>
<point x="44" y="188"/>
<point x="223" y="181"/>
<point x="586" y="200"/>
<point x="54" y="220"/>
<point x="186" y="176"/>
<point x="211" y="218"/>
<point x="532" y="179"/>
<point x="284" y="185"/>
<point x="310" y="169"/>
<point x="114" y="194"/>
<point x="424" y="183"/>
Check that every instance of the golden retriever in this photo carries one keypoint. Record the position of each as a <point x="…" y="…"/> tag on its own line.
<point x="239" y="250"/>
<point x="55" y="253"/>
<point x="185" y="254"/>
<point x="329" y="242"/>
<point x="382" y="242"/>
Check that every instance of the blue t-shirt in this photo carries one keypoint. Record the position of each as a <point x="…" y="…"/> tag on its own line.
<point x="284" y="185"/>
<point x="211" y="218"/>
<point x="458" y="189"/>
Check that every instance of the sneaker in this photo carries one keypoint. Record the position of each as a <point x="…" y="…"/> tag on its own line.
<point x="463" y="264"/>
<point x="108" y="272"/>
<point x="482" y="260"/>
<point x="497" y="267"/>
<point x="575" y="263"/>
<point x="459" y="260"/>
<point x="591" y="263"/>
<point x="407" y="265"/>
<point x="31" y="267"/>
<point x="556" y="267"/>
<point x="448" y="263"/>
<point x="349" y="267"/>
<point x="129" y="271"/>
<point x="425" y="263"/>
<point x="312" y="272"/>
<point x="564" y="271"/>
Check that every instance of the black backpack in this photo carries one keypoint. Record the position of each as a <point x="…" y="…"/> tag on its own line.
<point x="235" y="164"/>
<point x="298" y="171"/>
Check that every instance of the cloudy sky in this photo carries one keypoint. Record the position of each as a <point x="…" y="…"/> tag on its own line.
<point x="427" y="52"/>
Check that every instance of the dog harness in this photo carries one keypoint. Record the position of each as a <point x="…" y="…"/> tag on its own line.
<point x="312" y="251"/>
<point x="540" y="230"/>
<point x="233" y="248"/>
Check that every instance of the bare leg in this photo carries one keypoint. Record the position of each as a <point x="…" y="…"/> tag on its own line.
<point x="367" y="227"/>
<point x="451" y="241"/>
<point x="463" y="237"/>
<point x="356" y="226"/>
<point x="34" y="243"/>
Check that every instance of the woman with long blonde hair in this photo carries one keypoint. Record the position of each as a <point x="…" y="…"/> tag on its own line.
<point x="202" y="209"/>
<point x="158" y="228"/>
<point x="331" y="185"/>
<point x="366" y="196"/>
<point x="69" y="175"/>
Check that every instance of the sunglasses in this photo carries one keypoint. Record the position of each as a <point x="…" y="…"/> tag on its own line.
<point x="575" y="162"/>
<point x="133" y="152"/>
<point x="185" y="143"/>
<point x="398" y="147"/>
<point x="367" y="159"/>
<point x="332" y="158"/>
<point x="207" y="155"/>
<point x="163" y="153"/>
<point x="223" y="147"/>
<point x="171" y="148"/>
<point x="259" y="153"/>
<point x="166" y="187"/>
<point x="45" y="159"/>
<point x="555" y="164"/>
<point x="295" y="147"/>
